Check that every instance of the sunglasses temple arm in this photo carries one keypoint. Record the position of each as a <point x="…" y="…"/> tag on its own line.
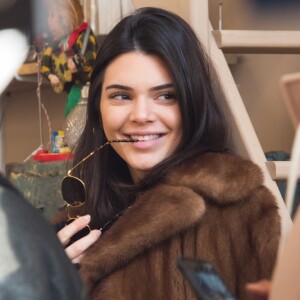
<point x="84" y="159"/>
<point x="97" y="149"/>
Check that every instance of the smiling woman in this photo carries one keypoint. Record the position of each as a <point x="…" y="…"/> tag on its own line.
<point x="166" y="181"/>
<point x="147" y="110"/>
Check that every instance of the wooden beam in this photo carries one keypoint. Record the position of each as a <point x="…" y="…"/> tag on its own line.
<point x="244" y="138"/>
<point x="279" y="170"/>
<point x="258" y="41"/>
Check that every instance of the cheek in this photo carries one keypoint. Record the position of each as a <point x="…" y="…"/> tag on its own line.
<point x="108" y="122"/>
<point x="176" y="124"/>
<point x="175" y="121"/>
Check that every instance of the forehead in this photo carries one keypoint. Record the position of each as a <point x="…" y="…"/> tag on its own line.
<point x="137" y="67"/>
<point x="52" y="11"/>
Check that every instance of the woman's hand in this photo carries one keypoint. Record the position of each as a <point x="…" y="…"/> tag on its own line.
<point x="76" y="250"/>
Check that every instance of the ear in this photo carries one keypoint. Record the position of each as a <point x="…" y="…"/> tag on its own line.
<point x="13" y="52"/>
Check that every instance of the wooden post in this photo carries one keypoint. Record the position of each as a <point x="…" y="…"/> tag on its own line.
<point x="199" y="20"/>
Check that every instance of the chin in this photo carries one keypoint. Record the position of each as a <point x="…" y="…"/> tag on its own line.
<point x="144" y="168"/>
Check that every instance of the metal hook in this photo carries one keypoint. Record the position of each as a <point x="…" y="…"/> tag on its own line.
<point x="220" y="14"/>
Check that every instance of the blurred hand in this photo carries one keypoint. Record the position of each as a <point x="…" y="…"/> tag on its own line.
<point x="76" y="250"/>
<point x="54" y="80"/>
<point x="259" y="290"/>
<point x="71" y="65"/>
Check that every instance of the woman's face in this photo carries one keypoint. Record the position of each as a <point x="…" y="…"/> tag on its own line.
<point x="138" y="102"/>
<point x="55" y="25"/>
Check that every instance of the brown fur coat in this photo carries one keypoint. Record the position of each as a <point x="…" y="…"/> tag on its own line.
<point x="214" y="207"/>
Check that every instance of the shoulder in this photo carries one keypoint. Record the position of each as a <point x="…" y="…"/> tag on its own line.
<point x="224" y="177"/>
<point x="25" y="226"/>
<point x="91" y="41"/>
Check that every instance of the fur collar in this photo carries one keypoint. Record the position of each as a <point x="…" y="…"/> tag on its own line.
<point x="162" y="212"/>
<point x="169" y="209"/>
<point x="222" y="177"/>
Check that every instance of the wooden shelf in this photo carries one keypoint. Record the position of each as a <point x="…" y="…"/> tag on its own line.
<point x="279" y="170"/>
<point x="257" y="41"/>
<point x="28" y="69"/>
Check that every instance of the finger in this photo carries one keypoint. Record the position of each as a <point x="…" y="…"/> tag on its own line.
<point x="78" y="259"/>
<point x="259" y="290"/>
<point x="75" y="250"/>
<point x="68" y="231"/>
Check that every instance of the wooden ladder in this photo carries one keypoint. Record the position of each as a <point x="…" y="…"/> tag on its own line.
<point x="245" y="141"/>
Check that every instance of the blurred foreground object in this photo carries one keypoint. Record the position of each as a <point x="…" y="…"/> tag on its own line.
<point x="13" y="52"/>
<point x="287" y="271"/>
<point x="290" y="89"/>
<point x="33" y="263"/>
<point x="28" y="16"/>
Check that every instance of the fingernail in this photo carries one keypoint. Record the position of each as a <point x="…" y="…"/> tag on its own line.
<point x="86" y="218"/>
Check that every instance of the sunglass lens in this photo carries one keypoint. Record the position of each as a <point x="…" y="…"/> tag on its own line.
<point x="73" y="190"/>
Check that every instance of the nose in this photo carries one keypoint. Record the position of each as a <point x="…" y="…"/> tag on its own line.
<point x="142" y="111"/>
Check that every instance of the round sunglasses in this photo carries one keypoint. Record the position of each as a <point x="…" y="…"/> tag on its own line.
<point x="74" y="192"/>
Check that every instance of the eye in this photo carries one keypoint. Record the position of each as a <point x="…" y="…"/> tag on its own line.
<point x="167" y="96"/>
<point x="119" y="96"/>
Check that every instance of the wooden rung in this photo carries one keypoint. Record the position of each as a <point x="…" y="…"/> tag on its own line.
<point x="258" y="41"/>
<point x="279" y="170"/>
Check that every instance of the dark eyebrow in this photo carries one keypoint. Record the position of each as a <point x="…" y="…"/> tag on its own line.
<point x="163" y="86"/>
<point x="127" y="88"/>
<point x="118" y="86"/>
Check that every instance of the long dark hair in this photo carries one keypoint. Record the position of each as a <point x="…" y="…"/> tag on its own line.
<point x="157" y="32"/>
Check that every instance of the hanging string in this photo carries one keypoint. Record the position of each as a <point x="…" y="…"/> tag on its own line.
<point x="38" y="93"/>
<point x="41" y="108"/>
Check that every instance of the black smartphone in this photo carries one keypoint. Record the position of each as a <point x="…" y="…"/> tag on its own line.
<point x="204" y="279"/>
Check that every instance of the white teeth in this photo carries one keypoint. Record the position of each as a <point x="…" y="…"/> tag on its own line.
<point x="145" y="137"/>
